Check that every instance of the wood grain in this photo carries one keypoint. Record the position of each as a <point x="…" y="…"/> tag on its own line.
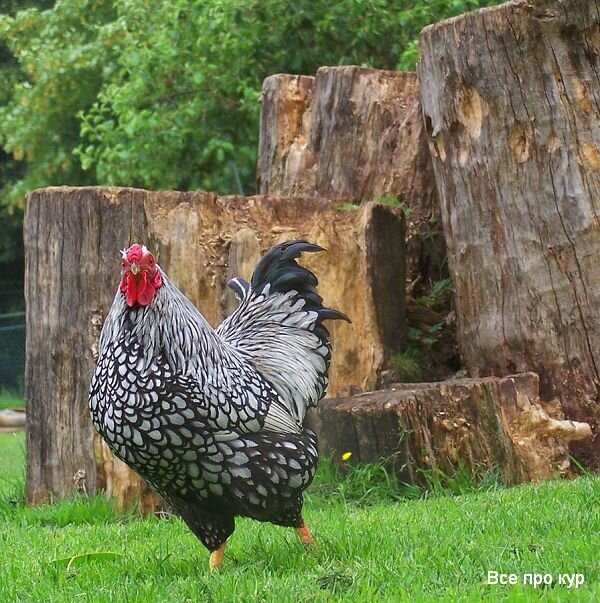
<point x="354" y="134"/>
<point x="511" y="100"/>
<point x="477" y="425"/>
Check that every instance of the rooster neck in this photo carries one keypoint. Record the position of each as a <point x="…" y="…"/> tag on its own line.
<point x="170" y="327"/>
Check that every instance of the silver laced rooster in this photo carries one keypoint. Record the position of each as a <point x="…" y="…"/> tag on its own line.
<point x="213" y="419"/>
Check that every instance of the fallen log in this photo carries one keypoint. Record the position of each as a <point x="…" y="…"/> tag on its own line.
<point x="12" y="419"/>
<point x="481" y="425"/>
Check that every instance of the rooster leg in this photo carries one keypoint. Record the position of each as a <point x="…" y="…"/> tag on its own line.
<point x="216" y="557"/>
<point x="305" y="536"/>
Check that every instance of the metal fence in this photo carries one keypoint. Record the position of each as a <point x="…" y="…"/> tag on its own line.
<point x="12" y="339"/>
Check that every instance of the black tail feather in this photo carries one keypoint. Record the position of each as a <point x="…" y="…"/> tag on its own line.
<point x="281" y="321"/>
<point x="279" y="269"/>
<point x="331" y="314"/>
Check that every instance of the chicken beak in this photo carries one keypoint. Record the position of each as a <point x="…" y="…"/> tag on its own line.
<point x="134" y="269"/>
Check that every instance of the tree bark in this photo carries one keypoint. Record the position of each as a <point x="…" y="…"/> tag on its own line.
<point x="511" y="100"/>
<point x="354" y="134"/>
<point x="477" y="425"/>
<point x="72" y="241"/>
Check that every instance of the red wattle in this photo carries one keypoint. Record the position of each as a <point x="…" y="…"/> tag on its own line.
<point x="157" y="280"/>
<point x="131" y="292"/>
<point x="145" y="291"/>
<point x="137" y="289"/>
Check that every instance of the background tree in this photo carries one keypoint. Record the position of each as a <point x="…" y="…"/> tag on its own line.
<point x="164" y="95"/>
<point x="11" y="215"/>
<point x="38" y="125"/>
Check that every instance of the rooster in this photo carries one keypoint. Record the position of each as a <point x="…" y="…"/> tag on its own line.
<point x="213" y="419"/>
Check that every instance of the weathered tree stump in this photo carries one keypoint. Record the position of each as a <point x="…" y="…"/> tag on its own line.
<point x="73" y="238"/>
<point x="511" y="99"/>
<point x="354" y="134"/>
<point x="480" y="425"/>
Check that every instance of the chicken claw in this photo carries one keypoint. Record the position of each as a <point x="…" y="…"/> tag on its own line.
<point x="216" y="558"/>
<point x="305" y="536"/>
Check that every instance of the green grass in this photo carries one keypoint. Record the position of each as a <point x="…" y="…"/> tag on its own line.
<point x="389" y="200"/>
<point x="407" y="365"/>
<point x="376" y="542"/>
<point x="9" y="399"/>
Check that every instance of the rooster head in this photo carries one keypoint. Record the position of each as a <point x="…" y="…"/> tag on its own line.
<point x="140" y="276"/>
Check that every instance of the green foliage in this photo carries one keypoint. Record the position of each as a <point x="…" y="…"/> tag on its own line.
<point x="12" y="261"/>
<point x="423" y="339"/>
<point x="389" y="200"/>
<point x="346" y="206"/>
<point x="164" y="95"/>
<point x="393" y="201"/>
<point x="63" y="55"/>
<point x="407" y="365"/>
<point x="440" y="295"/>
<point x="11" y="217"/>
<point x="429" y="238"/>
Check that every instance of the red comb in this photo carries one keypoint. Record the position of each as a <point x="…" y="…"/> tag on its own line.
<point x="134" y="253"/>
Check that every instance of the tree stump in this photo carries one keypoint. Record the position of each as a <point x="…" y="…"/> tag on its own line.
<point x="354" y="134"/>
<point x="511" y="100"/>
<point x="479" y="425"/>
<point x="72" y="241"/>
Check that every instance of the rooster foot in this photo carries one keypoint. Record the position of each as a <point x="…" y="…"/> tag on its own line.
<point x="306" y="538"/>
<point x="216" y="557"/>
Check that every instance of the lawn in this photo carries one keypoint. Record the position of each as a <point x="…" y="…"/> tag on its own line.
<point x="9" y="399"/>
<point x="376" y="542"/>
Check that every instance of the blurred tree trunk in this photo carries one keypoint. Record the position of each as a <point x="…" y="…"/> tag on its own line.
<point x="72" y="237"/>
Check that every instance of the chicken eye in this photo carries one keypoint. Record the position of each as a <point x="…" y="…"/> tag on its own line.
<point x="124" y="264"/>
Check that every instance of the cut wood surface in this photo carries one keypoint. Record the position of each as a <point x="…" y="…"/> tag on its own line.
<point x="354" y="134"/>
<point x="511" y="100"/>
<point x="73" y="237"/>
<point x="12" y="420"/>
<point x="481" y="425"/>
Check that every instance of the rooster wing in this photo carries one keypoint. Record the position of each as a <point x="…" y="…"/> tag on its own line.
<point x="279" y="327"/>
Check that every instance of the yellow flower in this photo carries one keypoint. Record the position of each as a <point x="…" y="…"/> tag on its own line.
<point x="346" y="456"/>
